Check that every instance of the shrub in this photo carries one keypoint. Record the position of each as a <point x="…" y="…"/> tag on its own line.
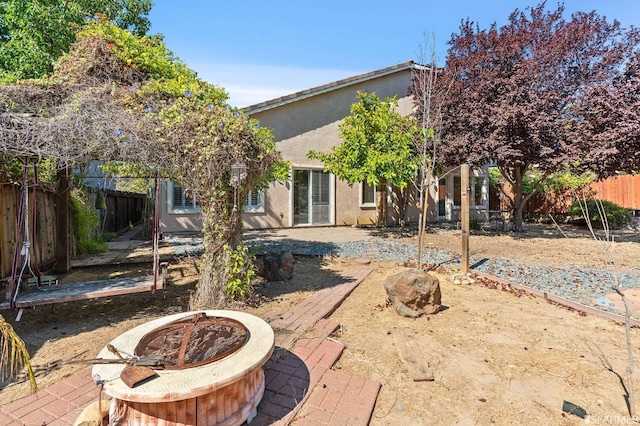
<point x="475" y="224"/>
<point x="616" y="216"/>
<point x="85" y="224"/>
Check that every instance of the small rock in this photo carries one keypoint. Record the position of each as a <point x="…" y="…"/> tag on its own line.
<point x="363" y="261"/>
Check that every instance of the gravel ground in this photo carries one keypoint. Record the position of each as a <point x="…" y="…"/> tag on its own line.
<point x="571" y="282"/>
<point x="574" y="283"/>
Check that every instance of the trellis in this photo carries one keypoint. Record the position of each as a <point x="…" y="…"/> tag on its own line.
<point x="96" y="106"/>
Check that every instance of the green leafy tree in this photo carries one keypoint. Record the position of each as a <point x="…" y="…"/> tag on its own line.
<point x="35" y="33"/>
<point x="117" y="96"/>
<point x="378" y="148"/>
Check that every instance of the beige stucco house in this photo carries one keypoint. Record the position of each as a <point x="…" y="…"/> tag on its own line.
<point x="309" y="120"/>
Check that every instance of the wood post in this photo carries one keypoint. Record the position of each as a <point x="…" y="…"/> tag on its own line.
<point x="464" y="216"/>
<point x="63" y="224"/>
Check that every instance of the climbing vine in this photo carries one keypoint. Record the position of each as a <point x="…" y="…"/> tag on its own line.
<point x="117" y="96"/>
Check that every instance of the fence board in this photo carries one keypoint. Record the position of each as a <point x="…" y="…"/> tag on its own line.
<point x="623" y="190"/>
<point x="43" y="242"/>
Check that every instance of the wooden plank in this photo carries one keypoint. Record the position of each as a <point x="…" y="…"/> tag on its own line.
<point x="61" y="293"/>
<point x="411" y="356"/>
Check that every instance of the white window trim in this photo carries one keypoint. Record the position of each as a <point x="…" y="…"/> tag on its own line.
<point x="258" y="208"/>
<point x="485" y="198"/>
<point x="179" y="210"/>
<point x="361" y="194"/>
<point x="332" y="195"/>
<point x="483" y="192"/>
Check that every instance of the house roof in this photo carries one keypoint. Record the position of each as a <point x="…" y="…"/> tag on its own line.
<point x="294" y="97"/>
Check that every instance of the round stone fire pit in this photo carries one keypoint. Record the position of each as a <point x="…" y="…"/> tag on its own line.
<point x="213" y="373"/>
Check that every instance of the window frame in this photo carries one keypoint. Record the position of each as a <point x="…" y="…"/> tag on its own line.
<point x="249" y="207"/>
<point x="473" y="182"/>
<point x="184" y="209"/>
<point x="363" y="189"/>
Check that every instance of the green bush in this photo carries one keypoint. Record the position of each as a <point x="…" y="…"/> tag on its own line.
<point x="475" y="224"/>
<point x="616" y="216"/>
<point x="107" y="236"/>
<point x="86" y="225"/>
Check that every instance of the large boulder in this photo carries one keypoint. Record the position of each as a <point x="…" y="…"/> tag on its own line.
<point x="278" y="266"/>
<point x="413" y="293"/>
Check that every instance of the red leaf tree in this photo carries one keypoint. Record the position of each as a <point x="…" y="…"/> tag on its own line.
<point x="529" y="95"/>
<point x="610" y="130"/>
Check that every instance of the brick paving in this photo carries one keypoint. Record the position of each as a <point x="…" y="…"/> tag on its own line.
<point x="300" y="385"/>
<point x="322" y="303"/>
<point x="59" y="404"/>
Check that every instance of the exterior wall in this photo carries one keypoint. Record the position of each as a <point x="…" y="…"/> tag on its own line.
<point x="276" y="213"/>
<point x="412" y="211"/>
<point x="313" y="123"/>
<point x="348" y="209"/>
<point x="310" y="120"/>
<point x="95" y="176"/>
<point x="172" y="222"/>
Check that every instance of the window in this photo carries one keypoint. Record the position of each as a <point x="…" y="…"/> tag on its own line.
<point x="178" y="201"/>
<point x="457" y="191"/>
<point x="367" y="195"/>
<point x="477" y="188"/>
<point x="255" y="202"/>
<point x="442" y="197"/>
<point x="477" y="194"/>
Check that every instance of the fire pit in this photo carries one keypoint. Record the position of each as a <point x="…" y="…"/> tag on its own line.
<point x="212" y="371"/>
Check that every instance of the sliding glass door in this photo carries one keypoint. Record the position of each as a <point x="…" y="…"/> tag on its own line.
<point x="312" y="197"/>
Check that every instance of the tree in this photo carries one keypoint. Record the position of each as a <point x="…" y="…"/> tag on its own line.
<point x="521" y="93"/>
<point x="117" y="96"/>
<point x="35" y="33"/>
<point x="425" y="89"/>
<point x="611" y="117"/>
<point x="378" y="148"/>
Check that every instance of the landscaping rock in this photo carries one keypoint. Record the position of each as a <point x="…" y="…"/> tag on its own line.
<point x="278" y="266"/>
<point x="413" y="293"/>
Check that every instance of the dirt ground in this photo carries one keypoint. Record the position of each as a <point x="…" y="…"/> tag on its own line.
<point x="497" y="356"/>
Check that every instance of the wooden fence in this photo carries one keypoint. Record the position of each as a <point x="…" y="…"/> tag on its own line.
<point x="123" y="210"/>
<point x="42" y="220"/>
<point x="622" y="190"/>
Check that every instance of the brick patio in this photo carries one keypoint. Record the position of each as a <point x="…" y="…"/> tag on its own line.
<point x="300" y="384"/>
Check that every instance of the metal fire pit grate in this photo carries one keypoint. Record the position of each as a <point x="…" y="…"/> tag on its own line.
<point x="193" y="341"/>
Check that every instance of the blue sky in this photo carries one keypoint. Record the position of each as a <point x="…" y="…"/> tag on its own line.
<point x="259" y="50"/>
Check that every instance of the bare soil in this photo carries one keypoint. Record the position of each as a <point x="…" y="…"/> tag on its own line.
<point x="497" y="356"/>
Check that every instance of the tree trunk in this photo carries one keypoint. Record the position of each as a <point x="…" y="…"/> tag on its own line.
<point x="518" y="200"/>
<point x="381" y="204"/>
<point x="221" y="228"/>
